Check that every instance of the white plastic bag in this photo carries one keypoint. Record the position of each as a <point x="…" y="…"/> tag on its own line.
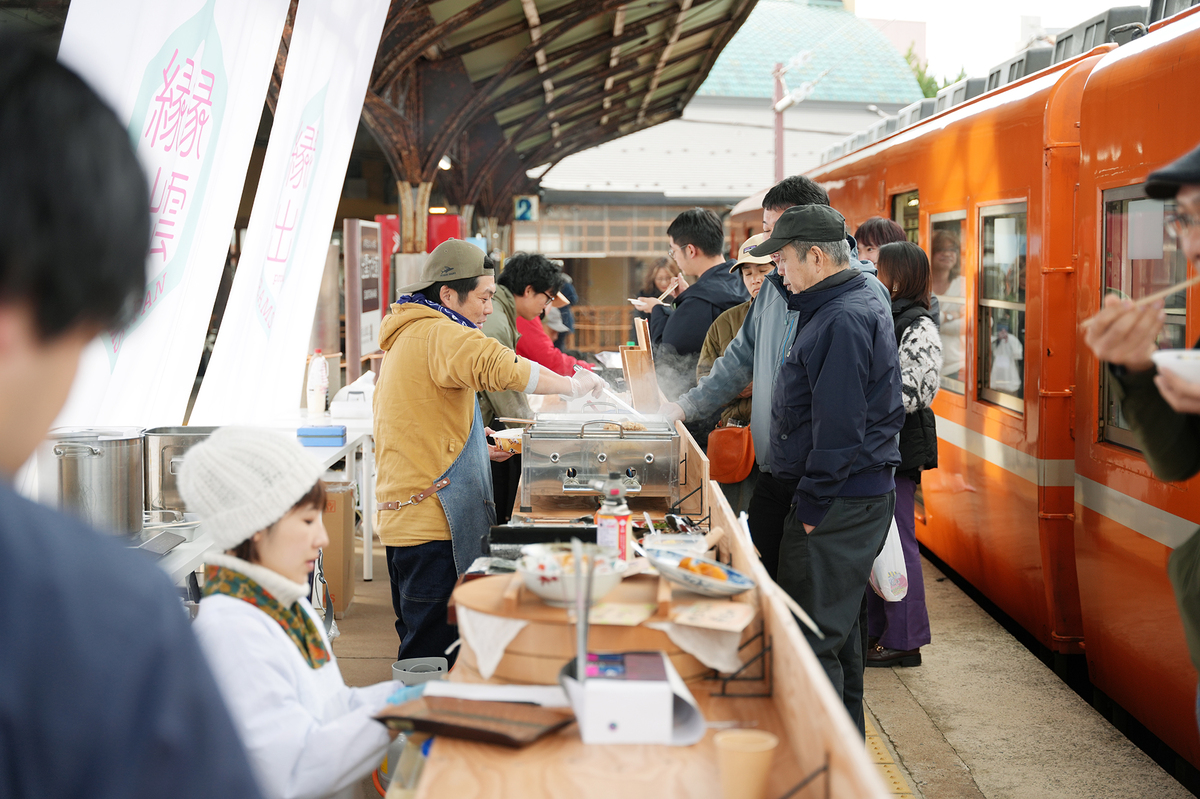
<point x="889" y="576"/>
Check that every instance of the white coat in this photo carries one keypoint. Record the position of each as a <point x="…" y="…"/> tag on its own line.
<point x="309" y="736"/>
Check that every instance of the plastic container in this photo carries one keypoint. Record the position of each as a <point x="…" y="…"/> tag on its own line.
<point x="318" y="384"/>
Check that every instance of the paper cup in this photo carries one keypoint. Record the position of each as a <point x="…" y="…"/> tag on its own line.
<point x="744" y="762"/>
<point x="509" y="440"/>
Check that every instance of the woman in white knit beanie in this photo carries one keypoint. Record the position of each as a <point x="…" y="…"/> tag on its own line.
<point x="260" y="497"/>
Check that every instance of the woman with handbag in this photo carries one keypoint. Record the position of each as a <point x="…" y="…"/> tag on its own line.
<point x="730" y="446"/>
<point x="900" y="629"/>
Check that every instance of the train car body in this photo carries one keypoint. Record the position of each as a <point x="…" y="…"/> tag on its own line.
<point x="1138" y="113"/>
<point x="1028" y="200"/>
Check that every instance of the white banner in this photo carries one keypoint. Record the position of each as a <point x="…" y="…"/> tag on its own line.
<point x="188" y="78"/>
<point x="258" y="363"/>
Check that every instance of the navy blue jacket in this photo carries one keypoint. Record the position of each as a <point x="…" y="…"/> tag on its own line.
<point x="677" y="334"/>
<point x="837" y="405"/>
<point x="104" y="691"/>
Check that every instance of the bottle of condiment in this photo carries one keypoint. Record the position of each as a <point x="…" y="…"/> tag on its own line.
<point x="318" y="384"/>
<point x="612" y="518"/>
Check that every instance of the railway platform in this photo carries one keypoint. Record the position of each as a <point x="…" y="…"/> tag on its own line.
<point x="981" y="718"/>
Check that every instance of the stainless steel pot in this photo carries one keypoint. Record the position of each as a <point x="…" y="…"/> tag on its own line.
<point x="96" y="474"/>
<point x="165" y="448"/>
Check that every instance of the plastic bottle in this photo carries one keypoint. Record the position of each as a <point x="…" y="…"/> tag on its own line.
<point x="318" y="384"/>
<point x="612" y="518"/>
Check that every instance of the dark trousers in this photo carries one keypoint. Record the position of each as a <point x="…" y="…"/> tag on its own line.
<point x="423" y="577"/>
<point x="506" y="476"/>
<point x="826" y="572"/>
<point x="903" y="625"/>
<point x="769" y="507"/>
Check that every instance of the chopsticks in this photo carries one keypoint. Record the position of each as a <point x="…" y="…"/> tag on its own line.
<point x="1149" y="298"/>
<point x="507" y="419"/>
<point x="674" y="284"/>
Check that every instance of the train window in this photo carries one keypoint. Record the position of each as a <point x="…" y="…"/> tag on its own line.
<point x="906" y="212"/>
<point x="1140" y="258"/>
<point x="949" y="286"/>
<point x="1001" y="332"/>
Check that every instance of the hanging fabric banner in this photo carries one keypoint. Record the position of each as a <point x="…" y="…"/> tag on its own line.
<point x="188" y="78"/>
<point x="257" y="366"/>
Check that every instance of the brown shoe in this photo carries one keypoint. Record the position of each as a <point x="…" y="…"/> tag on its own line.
<point x="882" y="657"/>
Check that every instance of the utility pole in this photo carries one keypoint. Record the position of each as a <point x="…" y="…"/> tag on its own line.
<point x="776" y="97"/>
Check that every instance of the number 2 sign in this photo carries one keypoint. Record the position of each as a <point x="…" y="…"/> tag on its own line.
<point x="525" y="208"/>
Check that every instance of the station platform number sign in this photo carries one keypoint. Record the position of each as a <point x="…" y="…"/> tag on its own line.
<point x="525" y="208"/>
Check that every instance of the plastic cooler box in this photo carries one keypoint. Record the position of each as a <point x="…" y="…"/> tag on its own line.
<point x="333" y="435"/>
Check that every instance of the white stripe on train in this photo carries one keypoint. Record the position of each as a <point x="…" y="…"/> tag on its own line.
<point x="1154" y="523"/>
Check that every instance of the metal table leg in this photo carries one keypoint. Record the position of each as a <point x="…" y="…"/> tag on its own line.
<point x="367" y="490"/>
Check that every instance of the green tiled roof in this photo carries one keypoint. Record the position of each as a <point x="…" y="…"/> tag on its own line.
<point x="866" y="67"/>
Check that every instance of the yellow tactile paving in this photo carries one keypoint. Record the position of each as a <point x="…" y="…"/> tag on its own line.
<point x="893" y="777"/>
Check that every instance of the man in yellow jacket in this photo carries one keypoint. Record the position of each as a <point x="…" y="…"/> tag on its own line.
<point x="434" y="487"/>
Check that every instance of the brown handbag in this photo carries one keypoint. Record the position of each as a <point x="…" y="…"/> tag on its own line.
<point x="730" y="454"/>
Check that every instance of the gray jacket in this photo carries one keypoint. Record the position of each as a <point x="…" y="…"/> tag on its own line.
<point x="756" y="353"/>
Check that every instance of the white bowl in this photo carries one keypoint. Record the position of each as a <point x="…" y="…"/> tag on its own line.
<point x="549" y="571"/>
<point x="667" y="563"/>
<point x="1185" y="363"/>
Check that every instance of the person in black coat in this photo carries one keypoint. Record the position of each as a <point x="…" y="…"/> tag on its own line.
<point x="677" y="330"/>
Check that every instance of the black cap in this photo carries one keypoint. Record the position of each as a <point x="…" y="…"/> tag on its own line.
<point x="1164" y="183"/>
<point x="815" y="223"/>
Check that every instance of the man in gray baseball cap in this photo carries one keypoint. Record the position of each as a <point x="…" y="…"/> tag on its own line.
<point x="434" y="480"/>
<point x="835" y="414"/>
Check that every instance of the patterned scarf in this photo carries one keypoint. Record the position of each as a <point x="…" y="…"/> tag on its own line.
<point x="421" y="299"/>
<point x="295" y="622"/>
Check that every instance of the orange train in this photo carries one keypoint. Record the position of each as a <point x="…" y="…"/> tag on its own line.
<point x="1029" y="200"/>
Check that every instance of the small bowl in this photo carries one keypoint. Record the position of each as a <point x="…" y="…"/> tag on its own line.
<point x="676" y="542"/>
<point x="1185" y="363"/>
<point x="549" y="571"/>
<point x="509" y="440"/>
<point x="667" y="562"/>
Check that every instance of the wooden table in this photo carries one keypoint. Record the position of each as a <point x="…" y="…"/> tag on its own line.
<point x="816" y="735"/>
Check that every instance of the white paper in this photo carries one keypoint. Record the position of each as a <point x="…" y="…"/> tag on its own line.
<point x="717" y="649"/>
<point x="1005" y="251"/>
<point x="544" y="695"/>
<point x="1146" y="229"/>
<point x="488" y="636"/>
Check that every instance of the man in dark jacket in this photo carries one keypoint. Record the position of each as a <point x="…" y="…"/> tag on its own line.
<point x="835" y="414"/>
<point x="104" y="691"/>
<point x="677" y="332"/>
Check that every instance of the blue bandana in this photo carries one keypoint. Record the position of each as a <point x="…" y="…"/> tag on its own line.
<point x="421" y="299"/>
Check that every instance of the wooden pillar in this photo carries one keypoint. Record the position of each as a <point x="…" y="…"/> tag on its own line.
<point x="468" y="216"/>
<point x="414" y="215"/>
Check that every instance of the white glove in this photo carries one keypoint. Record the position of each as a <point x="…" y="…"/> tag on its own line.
<point x="585" y="382"/>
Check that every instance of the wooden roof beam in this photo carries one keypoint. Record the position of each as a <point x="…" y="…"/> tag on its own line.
<point x="469" y="109"/>
<point x="581" y="51"/>
<point x="684" y="7"/>
<point x="414" y="47"/>
<point x="535" y="34"/>
<point x="737" y="16"/>
<point x="614" y="57"/>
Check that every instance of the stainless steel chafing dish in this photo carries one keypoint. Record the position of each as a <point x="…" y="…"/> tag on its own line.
<point x="562" y="453"/>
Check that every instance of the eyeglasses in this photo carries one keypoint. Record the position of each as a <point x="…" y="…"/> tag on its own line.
<point x="550" y="298"/>
<point x="670" y="253"/>
<point x="1180" y="222"/>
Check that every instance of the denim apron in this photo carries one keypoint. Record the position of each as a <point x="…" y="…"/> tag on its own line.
<point x="470" y="481"/>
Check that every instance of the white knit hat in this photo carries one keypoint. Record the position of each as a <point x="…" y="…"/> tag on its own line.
<point x="244" y="479"/>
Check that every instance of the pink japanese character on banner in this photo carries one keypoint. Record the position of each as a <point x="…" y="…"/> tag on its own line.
<point x="183" y="107"/>
<point x="302" y="157"/>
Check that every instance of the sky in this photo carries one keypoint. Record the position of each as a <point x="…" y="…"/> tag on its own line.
<point x="978" y="34"/>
